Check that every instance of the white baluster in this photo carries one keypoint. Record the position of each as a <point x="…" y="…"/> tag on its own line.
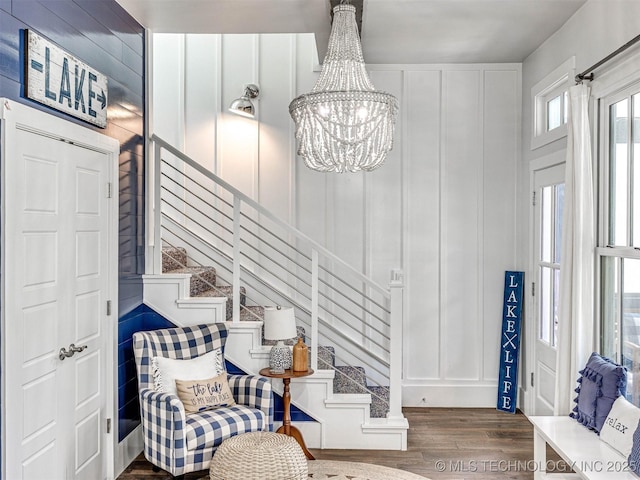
<point x="315" y="283"/>
<point x="236" y="258"/>
<point x="157" y="210"/>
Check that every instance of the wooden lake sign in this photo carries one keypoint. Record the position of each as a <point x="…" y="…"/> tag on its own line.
<point x="510" y="341"/>
<point x="59" y="80"/>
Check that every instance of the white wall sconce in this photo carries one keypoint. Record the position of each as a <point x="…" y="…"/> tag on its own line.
<point x="243" y="105"/>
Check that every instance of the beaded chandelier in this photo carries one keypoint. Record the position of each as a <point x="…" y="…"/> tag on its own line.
<point x="344" y="124"/>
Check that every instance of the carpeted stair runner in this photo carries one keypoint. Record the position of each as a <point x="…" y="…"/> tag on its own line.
<point x="379" y="400"/>
<point x="251" y="313"/>
<point x="226" y="291"/>
<point x="348" y="379"/>
<point x="203" y="280"/>
<point x="173" y="258"/>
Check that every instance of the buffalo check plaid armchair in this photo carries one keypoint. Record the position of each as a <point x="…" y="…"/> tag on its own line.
<point x="178" y="442"/>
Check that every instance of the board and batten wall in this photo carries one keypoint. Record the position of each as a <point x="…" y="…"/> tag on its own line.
<point x="442" y="207"/>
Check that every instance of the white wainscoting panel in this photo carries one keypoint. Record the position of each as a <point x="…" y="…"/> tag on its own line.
<point x="202" y="97"/>
<point x="345" y="221"/>
<point x="421" y="190"/>
<point x="239" y="136"/>
<point x="461" y="192"/>
<point x="498" y="216"/>
<point x="312" y="201"/>
<point x="276" y="162"/>
<point x="168" y="89"/>
<point x="383" y="195"/>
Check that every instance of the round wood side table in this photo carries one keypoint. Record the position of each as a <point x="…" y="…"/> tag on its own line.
<point x="286" y="427"/>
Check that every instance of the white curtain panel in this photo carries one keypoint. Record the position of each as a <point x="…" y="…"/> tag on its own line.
<point x="575" y="317"/>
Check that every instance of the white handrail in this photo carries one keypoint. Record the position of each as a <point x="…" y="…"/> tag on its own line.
<point x="263" y="211"/>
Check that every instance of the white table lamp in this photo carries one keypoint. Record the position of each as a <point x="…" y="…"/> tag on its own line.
<point x="279" y="324"/>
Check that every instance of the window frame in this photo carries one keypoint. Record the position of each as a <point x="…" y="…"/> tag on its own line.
<point x="603" y="248"/>
<point x="560" y="91"/>
<point x="554" y="84"/>
<point x="552" y="264"/>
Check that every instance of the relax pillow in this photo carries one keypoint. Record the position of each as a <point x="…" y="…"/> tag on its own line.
<point x="601" y="382"/>
<point x="167" y="370"/>
<point x="620" y="425"/>
<point x="199" y="395"/>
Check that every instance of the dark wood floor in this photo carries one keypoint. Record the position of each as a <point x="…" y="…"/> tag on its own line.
<point x="443" y="444"/>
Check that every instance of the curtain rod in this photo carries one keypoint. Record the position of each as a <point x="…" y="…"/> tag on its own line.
<point x="588" y="75"/>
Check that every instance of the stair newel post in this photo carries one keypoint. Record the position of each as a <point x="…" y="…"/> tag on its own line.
<point x="236" y="258"/>
<point x="156" y="240"/>
<point x="396" y="288"/>
<point x="315" y="284"/>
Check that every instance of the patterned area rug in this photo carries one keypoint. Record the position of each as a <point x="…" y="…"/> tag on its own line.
<point x="335" y="470"/>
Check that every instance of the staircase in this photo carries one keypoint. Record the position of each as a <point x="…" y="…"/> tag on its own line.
<point x="351" y="325"/>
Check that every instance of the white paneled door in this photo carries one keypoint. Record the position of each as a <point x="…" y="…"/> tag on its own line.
<point x="57" y="336"/>
<point x="548" y="206"/>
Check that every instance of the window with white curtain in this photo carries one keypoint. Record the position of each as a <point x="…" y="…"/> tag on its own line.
<point x="619" y="233"/>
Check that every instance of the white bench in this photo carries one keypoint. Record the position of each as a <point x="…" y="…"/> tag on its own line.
<point x="589" y="457"/>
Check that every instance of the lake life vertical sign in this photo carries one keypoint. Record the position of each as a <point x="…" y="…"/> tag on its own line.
<point x="510" y="341"/>
<point x="59" y="80"/>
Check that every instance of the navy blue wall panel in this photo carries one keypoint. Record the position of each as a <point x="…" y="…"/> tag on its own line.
<point x="119" y="22"/>
<point x="141" y="318"/>
<point x="103" y="35"/>
<point x="127" y="325"/>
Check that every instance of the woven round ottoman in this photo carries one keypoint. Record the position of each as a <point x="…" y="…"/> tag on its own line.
<point x="259" y="456"/>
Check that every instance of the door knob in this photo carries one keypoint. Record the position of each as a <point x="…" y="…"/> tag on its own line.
<point x="64" y="353"/>
<point x="73" y="348"/>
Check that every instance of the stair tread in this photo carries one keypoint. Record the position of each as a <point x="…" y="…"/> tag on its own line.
<point x="251" y="313"/>
<point x="379" y="401"/>
<point x="193" y="270"/>
<point x="223" y="291"/>
<point x="228" y="290"/>
<point x="173" y="258"/>
<point x="212" y="292"/>
<point x="349" y="380"/>
<point x="202" y="278"/>
<point x="326" y="357"/>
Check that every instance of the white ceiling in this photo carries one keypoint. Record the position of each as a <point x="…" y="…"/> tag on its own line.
<point x="393" y="31"/>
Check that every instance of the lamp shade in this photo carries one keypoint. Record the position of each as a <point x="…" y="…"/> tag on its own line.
<point x="243" y="105"/>
<point x="279" y="323"/>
